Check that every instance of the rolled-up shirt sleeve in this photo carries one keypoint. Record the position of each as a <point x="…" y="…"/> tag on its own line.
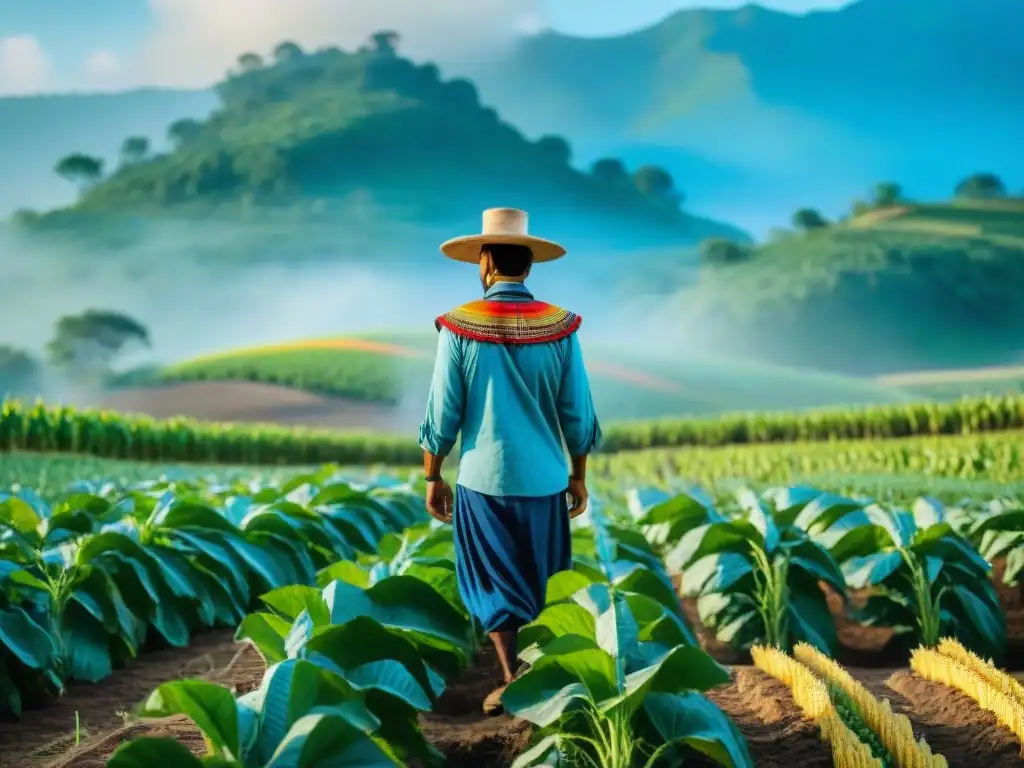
<point x="443" y="420"/>
<point x="576" y="414"/>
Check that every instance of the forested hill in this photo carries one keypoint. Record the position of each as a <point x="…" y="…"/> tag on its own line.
<point x="337" y="136"/>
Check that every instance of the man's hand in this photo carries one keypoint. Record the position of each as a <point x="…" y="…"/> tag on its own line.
<point x="440" y="501"/>
<point x="577" y="491"/>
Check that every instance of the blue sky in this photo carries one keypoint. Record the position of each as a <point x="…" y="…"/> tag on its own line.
<point x="50" y="45"/>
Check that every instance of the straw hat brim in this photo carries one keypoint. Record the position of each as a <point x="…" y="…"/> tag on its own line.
<point x="467" y="249"/>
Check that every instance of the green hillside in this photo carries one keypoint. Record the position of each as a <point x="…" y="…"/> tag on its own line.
<point x="392" y="367"/>
<point x="998" y="219"/>
<point x="902" y="287"/>
<point x="364" y="143"/>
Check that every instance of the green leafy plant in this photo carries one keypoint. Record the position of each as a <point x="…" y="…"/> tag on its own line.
<point x="926" y="580"/>
<point x="756" y="577"/>
<point x="300" y="716"/>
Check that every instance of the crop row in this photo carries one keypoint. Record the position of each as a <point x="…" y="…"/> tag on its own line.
<point x="113" y="435"/>
<point x="755" y="564"/>
<point x="87" y="583"/>
<point x="353" y="660"/>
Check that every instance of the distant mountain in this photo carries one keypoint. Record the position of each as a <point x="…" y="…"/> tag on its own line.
<point x="757" y="112"/>
<point x="322" y="145"/>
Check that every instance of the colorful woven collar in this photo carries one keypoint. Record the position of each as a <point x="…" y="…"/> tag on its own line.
<point x="510" y="322"/>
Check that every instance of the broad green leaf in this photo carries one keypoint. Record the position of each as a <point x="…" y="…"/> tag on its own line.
<point x="928" y="512"/>
<point x="555" y="683"/>
<point x="558" y="620"/>
<point x="293" y="600"/>
<point x="816" y="561"/>
<point x="811" y="621"/>
<point x="362" y="642"/>
<point x="402" y="602"/>
<point x="28" y="642"/>
<point x="326" y="737"/>
<point x="343" y="570"/>
<point x="617" y="634"/>
<point x="691" y="719"/>
<point x="565" y="584"/>
<point x="988" y="625"/>
<point x="715" y="573"/>
<point x="898" y="524"/>
<point x="708" y="539"/>
<point x="824" y="511"/>
<point x="150" y="752"/>
<point x="684" y="667"/>
<point x="86" y="644"/>
<point x="267" y="633"/>
<point x="211" y="707"/>
<point x="19" y="514"/>
<point x="868" y="570"/>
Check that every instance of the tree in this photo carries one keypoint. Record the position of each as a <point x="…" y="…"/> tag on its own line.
<point x="134" y="149"/>
<point x="610" y="172"/>
<point x="20" y="373"/>
<point x="182" y="131"/>
<point x="461" y="94"/>
<point x="887" y="194"/>
<point x="287" y="51"/>
<point x="655" y="182"/>
<point x="80" y="169"/>
<point x="91" y="341"/>
<point x="385" y="43"/>
<point x="808" y="219"/>
<point x="717" y="251"/>
<point x="981" y="185"/>
<point x="250" y="62"/>
<point x="555" y="149"/>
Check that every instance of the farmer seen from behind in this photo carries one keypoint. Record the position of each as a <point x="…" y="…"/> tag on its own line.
<point x="509" y="376"/>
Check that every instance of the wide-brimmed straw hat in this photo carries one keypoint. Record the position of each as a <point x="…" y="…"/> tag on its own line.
<point x="505" y="226"/>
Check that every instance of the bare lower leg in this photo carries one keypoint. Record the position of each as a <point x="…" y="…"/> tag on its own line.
<point x="505" y="645"/>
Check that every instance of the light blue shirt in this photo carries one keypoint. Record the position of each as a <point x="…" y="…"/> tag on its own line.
<point x="514" y="405"/>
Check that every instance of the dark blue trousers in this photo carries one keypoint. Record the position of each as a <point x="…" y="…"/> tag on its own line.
<point x="506" y="549"/>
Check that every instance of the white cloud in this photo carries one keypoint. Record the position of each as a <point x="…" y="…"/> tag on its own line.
<point x="24" y="66"/>
<point x="196" y="41"/>
<point x="102" y="65"/>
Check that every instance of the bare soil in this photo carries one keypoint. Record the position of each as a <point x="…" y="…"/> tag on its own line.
<point x="253" y="402"/>
<point x="44" y="735"/>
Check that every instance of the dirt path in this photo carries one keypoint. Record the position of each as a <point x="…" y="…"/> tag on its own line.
<point x="43" y="735"/>
<point x="765" y="713"/>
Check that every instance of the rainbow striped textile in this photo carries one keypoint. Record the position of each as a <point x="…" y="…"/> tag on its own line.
<point x="510" y="322"/>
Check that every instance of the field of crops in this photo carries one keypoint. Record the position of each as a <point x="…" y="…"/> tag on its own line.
<point x="797" y="609"/>
<point x="108" y="434"/>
